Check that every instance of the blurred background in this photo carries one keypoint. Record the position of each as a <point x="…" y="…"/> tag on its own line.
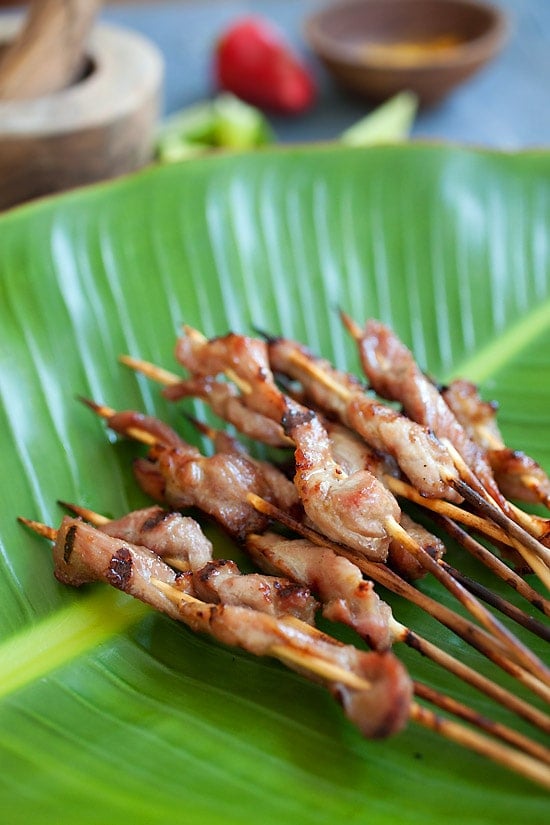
<point x="504" y="104"/>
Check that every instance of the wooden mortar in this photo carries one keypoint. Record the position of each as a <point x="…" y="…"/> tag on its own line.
<point x="99" y="127"/>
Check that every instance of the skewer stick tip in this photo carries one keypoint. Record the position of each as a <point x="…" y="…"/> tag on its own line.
<point x="99" y="409"/>
<point x="352" y="327"/>
<point x="39" y="528"/>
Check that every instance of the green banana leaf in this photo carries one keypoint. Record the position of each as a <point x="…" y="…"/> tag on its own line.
<point x="110" y="712"/>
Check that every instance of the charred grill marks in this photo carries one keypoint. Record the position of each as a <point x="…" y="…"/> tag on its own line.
<point x="120" y="569"/>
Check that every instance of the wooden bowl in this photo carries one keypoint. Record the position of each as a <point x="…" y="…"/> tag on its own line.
<point x="378" y="48"/>
<point x="98" y="128"/>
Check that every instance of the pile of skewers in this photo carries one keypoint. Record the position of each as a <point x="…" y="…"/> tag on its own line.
<point x="323" y="537"/>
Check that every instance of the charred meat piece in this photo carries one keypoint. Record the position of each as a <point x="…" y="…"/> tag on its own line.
<point x="349" y="509"/>
<point x="218" y="485"/>
<point x="477" y="417"/>
<point x="353" y="454"/>
<point x="167" y="533"/>
<point x="84" y="554"/>
<point x="221" y="581"/>
<point x="345" y="595"/>
<point x="402" y="561"/>
<point x="178" y="474"/>
<point x="243" y="358"/>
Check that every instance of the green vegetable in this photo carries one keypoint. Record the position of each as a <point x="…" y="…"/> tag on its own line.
<point x="225" y="122"/>
<point x="389" y="123"/>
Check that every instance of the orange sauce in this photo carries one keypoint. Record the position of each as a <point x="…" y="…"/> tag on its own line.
<point x="412" y="52"/>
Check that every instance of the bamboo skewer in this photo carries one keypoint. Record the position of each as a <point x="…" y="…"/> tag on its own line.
<point x="526" y="545"/>
<point x="466" y="713"/>
<point x="515" y="648"/>
<point x="491" y="561"/>
<point x="446" y="508"/>
<point x="505" y="607"/>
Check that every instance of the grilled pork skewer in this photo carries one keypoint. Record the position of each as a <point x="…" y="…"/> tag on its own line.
<point x="182" y="477"/>
<point x="470" y="633"/>
<point x="517" y="474"/>
<point x="394" y="374"/>
<point x="180" y="542"/>
<point x="372" y="688"/>
<point x="346" y="595"/>
<point x="214" y="620"/>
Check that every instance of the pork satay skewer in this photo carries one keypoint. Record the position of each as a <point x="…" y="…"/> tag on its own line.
<point x="373" y="688"/>
<point x="419" y="455"/>
<point x="522" y="541"/>
<point x="182" y="477"/>
<point x="146" y="527"/>
<point x="393" y="373"/>
<point x="470" y="633"/>
<point x="219" y="396"/>
<point x="352" y="600"/>
<point x="180" y="542"/>
<point x="202" y="617"/>
<point x="343" y="592"/>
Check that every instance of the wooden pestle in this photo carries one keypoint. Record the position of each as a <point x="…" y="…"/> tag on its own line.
<point x="49" y="52"/>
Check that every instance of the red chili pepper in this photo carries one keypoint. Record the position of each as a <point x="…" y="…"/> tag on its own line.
<point x="253" y="61"/>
